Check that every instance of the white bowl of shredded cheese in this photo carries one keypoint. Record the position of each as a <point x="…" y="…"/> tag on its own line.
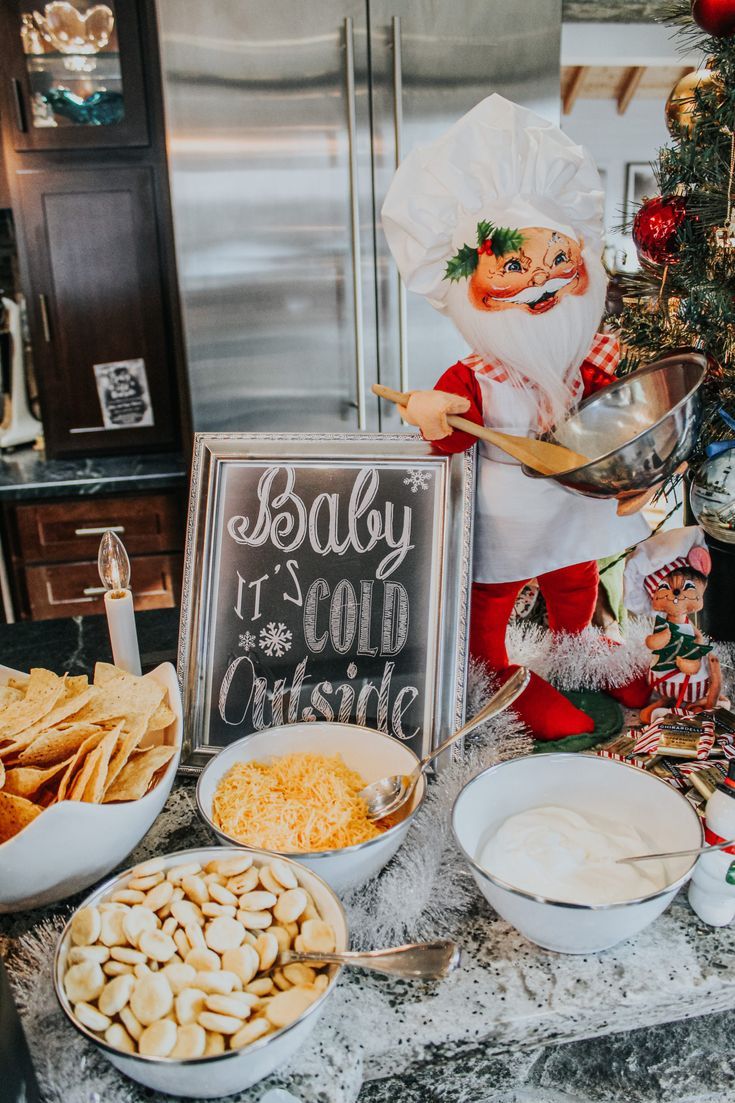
<point x="300" y="793"/>
<point x="543" y="834"/>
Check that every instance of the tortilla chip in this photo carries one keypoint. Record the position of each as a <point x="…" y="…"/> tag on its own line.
<point x="26" y="781"/>
<point x="18" y="683"/>
<point x="43" y="692"/>
<point x="129" y="740"/>
<point x="76" y="684"/>
<point x="97" y="779"/>
<point x="162" y="717"/>
<point x="125" y="695"/>
<point x="106" y="672"/>
<point x="76" y="764"/>
<point x="8" y="695"/>
<point x="2" y="773"/>
<point x="63" y="711"/>
<point x="15" y="814"/>
<point x="56" y="744"/>
<point x="134" y="779"/>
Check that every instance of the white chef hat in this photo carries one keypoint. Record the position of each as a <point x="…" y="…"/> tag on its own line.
<point x="656" y="558"/>
<point x="499" y="162"/>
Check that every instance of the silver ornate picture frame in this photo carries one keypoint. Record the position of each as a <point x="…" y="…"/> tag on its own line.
<point x="325" y="577"/>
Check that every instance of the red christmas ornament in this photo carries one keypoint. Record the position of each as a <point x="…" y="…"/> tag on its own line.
<point x="716" y="17"/>
<point x="655" y="226"/>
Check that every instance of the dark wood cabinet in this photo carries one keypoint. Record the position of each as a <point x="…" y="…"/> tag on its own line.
<point x="74" y="589"/>
<point x="92" y="211"/>
<point x="59" y="531"/>
<point x="56" y="97"/>
<point x="95" y="269"/>
<point x="53" y="547"/>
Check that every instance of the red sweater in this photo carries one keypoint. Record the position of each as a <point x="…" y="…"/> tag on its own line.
<point x="461" y="380"/>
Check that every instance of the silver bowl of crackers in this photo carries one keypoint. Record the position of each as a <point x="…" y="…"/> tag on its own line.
<point x="84" y="771"/>
<point x="171" y="969"/>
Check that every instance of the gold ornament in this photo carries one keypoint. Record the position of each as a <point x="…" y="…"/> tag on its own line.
<point x="682" y="112"/>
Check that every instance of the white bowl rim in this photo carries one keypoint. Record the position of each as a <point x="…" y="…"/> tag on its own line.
<point x="82" y="807"/>
<point x="567" y="903"/>
<point x="259" y="1043"/>
<point x="300" y="855"/>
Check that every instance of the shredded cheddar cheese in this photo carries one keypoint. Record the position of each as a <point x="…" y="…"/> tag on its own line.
<point x="293" y="804"/>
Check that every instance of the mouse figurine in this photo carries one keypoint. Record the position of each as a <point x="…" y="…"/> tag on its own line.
<point x="712" y="887"/>
<point x="668" y="574"/>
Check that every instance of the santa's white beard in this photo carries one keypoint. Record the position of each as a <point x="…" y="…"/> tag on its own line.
<point x="545" y="349"/>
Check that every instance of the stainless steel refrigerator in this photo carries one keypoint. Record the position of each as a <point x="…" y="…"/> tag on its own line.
<point x="286" y="120"/>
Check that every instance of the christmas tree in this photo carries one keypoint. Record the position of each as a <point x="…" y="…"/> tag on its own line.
<point x="684" y="294"/>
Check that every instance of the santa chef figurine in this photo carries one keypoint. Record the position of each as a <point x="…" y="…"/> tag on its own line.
<point x="667" y="574"/>
<point x="498" y="223"/>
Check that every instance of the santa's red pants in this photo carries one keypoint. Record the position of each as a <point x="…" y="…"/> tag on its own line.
<point x="570" y="594"/>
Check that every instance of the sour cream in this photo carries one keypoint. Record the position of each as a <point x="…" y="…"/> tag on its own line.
<point x="562" y="855"/>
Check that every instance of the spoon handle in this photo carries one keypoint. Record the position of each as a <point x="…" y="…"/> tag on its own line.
<point x="679" y="853"/>
<point x="418" y="960"/>
<point x="499" y="701"/>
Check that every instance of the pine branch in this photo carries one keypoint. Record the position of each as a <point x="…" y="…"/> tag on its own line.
<point x="696" y="306"/>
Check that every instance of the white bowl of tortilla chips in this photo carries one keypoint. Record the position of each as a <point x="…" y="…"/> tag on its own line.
<point x="84" y="771"/>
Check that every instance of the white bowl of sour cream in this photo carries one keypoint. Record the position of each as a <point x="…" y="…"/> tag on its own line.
<point x="542" y="835"/>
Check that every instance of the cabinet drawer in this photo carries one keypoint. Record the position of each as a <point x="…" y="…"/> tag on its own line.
<point x="73" y="589"/>
<point x="54" y="531"/>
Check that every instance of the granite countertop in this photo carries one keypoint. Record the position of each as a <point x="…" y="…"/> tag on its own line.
<point x="26" y="474"/>
<point x="516" y="1023"/>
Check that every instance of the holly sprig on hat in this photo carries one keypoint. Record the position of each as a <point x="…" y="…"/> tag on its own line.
<point x="497" y="240"/>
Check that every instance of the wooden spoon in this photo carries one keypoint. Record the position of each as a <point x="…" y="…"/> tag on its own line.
<point x="541" y="455"/>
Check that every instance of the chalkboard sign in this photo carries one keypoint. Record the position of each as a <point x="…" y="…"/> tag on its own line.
<point x="326" y="578"/>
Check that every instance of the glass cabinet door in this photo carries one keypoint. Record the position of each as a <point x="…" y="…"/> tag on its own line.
<point x="77" y="79"/>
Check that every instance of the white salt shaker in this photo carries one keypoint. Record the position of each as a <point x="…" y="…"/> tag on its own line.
<point x="712" y="887"/>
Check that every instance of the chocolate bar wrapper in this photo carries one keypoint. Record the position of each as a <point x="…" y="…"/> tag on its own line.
<point x="666" y="769"/>
<point x="703" y="777"/>
<point x="724" y="721"/>
<point x="621" y="749"/>
<point x="686" y="724"/>
<point x="659" y="740"/>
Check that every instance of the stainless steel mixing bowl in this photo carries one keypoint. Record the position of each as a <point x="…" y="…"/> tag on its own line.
<point x="636" y="431"/>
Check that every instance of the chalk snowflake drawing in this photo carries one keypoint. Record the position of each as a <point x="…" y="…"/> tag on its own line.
<point x="417" y="480"/>
<point x="247" y="641"/>
<point x="275" y="639"/>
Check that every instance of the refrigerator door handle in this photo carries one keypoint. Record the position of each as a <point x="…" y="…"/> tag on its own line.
<point x="355" y="223"/>
<point x="398" y="145"/>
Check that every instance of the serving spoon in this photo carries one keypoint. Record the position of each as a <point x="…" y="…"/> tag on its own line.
<point x="417" y="960"/>
<point x="678" y="853"/>
<point x="388" y="794"/>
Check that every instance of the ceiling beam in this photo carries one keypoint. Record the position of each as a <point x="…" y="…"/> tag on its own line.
<point x="574" y="87"/>
<point x="624" y="44"/>
<point x="628" y="86"/>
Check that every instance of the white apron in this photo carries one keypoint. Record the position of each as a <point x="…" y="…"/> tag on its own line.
<point x="526" y="527"/>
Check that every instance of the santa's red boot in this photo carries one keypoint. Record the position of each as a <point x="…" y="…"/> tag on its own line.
<point x="547" y="713"/>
